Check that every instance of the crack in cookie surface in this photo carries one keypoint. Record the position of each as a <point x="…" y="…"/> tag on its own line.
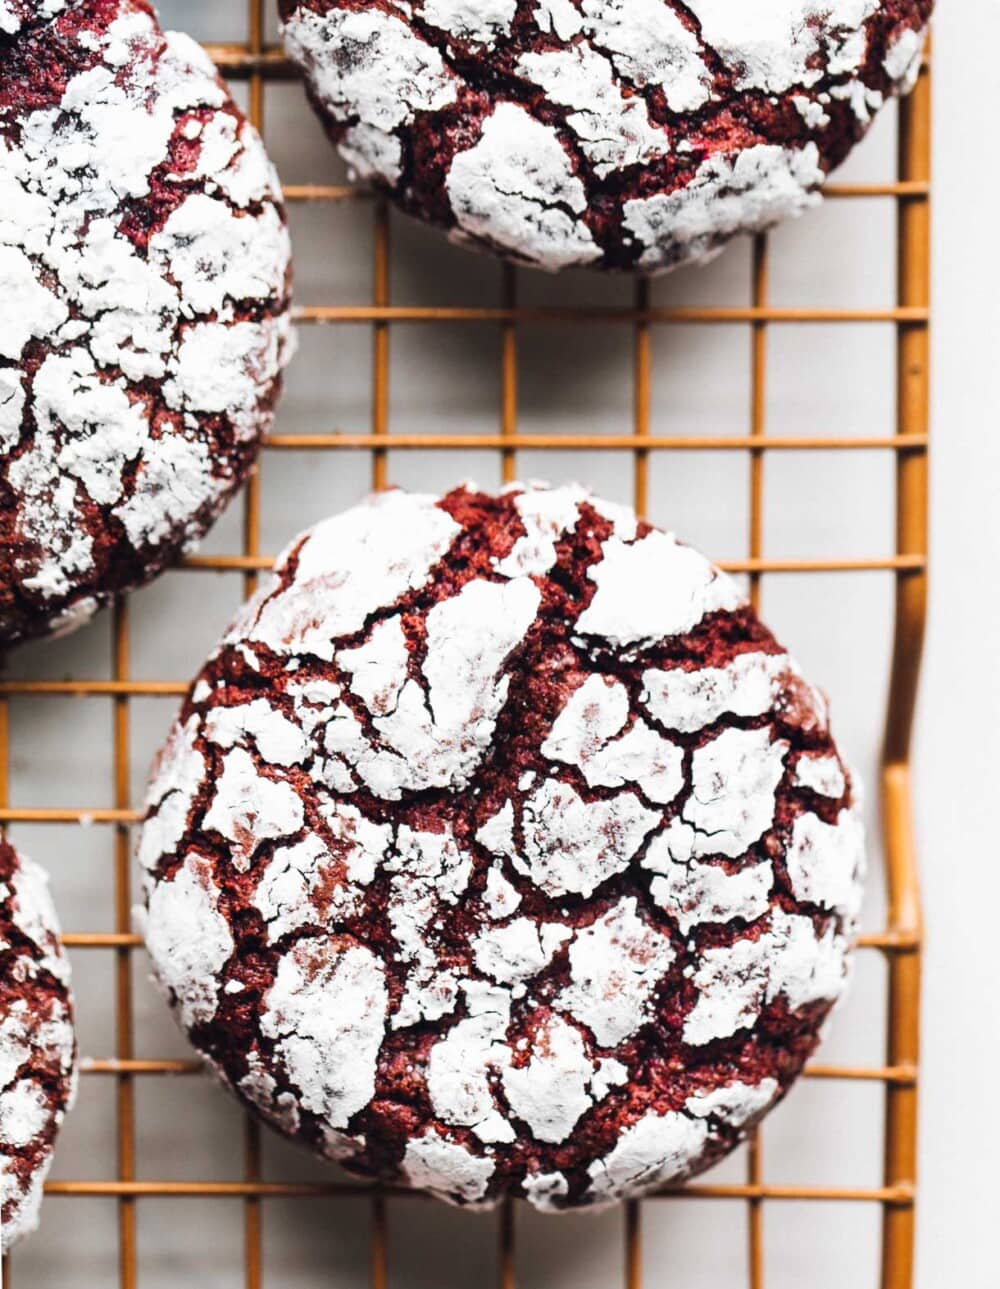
<point x="37" y="1041"/>
<point x="499" y="848"/>
<point x="623" y="134"/>
<point x="144" y="264"/>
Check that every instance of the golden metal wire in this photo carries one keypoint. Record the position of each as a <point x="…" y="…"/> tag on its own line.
<point x="900" y="942"/>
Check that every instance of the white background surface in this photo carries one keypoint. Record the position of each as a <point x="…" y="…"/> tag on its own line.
<point x="958" y="759"/>
<point x="821" y="379"/>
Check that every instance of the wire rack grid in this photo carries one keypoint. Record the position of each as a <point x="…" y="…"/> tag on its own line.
<point x="260" y="63"/>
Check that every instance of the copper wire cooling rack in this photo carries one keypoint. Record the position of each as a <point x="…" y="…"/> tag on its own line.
<point x="259" y="64"/>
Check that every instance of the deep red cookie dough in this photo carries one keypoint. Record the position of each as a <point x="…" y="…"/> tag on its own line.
<point x="37" y="1044"/>
<point x="500" y="849"/>
<point x="144" y="273"/>
<point x="623" y="134"/>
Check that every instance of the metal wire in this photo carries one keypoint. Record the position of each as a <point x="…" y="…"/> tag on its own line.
<point x="899" y="943"/>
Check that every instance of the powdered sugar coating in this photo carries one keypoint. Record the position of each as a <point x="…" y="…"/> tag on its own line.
<point x="37" y="1041"/>
<point x="189" y="937"/>
<point x="16" y="15"/>
<point x="498" y="850"/>
<point x="325" y="1014"/>
<point x="516" y="187"/>
<point x="144" y="263"/>
<point x="625" y="134"/>
<point x="616" y="964"/>
<point x="446" y="1168"/>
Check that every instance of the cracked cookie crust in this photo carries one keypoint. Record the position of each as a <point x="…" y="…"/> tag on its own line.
<point x="500" y="849"/>
<point x="37" y="1043"/>
<point x="144" y="269"/>
<point x="622" y="134"/>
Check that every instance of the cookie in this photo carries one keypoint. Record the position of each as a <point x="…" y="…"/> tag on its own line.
<point x="37" y="1043"/>
<point x="144" y="265"/>
<point x="621" y="134"/>
<point x="500" y="849"/>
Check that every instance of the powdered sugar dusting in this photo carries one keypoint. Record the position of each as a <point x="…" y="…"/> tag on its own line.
<point x="515" y="191"/>
<point x="519" y="950"/>
<point x="349" y="566"/>
<point x="696" y="893"/>
<point x="547" y="514"/>
<point x="583" y="735"/>
<point x="546" y="1191"/>
<point x="749" y="192"/>
<point x="777" y="44"/>
<point x="615" y="965"/>
<point x="826" y="861"/>
<point x="688" y="588"/>
<point x="736" y="1104"/>
<point x="558" y="18"/>
<point x="461" y="1066"/>
<point x="249" y="809"/>
<point x="176" y="774"/>
<point x="378" y="669"/>
<point x="734" y="781"/>
<point x="436" y="731"/>
<point x="446" y="1169"/>
<point x="189" y="939"/>
<point x="689" y="701"/>
<point x="430" y="871"/>
<point x="822" y="774"/>
<point x="315" y="879"/>
<point x="278" y="739"/>
<point x="369" y="65"/>
<point x="902" y="59"/>
<point x="614" y="131"/>
<point x="554" y="1089"/>
<point x="655" y="1150"/>
<point x="572" y="845"/>
<point x="650" y="46"/>
<point x="735" y="983"/>
<point x="16" y="14"/>
<point x="325" y="1014"/>
<point x="480" y="21"/>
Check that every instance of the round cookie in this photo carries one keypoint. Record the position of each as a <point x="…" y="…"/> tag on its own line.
<point x="37" y="1043"/>
<point x="500" y="849"/>
<point x="613" y="133"/>
<point x="144" y="268"/>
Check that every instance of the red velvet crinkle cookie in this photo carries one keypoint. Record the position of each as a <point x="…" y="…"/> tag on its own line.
<point x="500" y="849"/>
<point x="144" y="274"/>
<point x="37" y="1043"/>
<point x="614" y="133"/>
